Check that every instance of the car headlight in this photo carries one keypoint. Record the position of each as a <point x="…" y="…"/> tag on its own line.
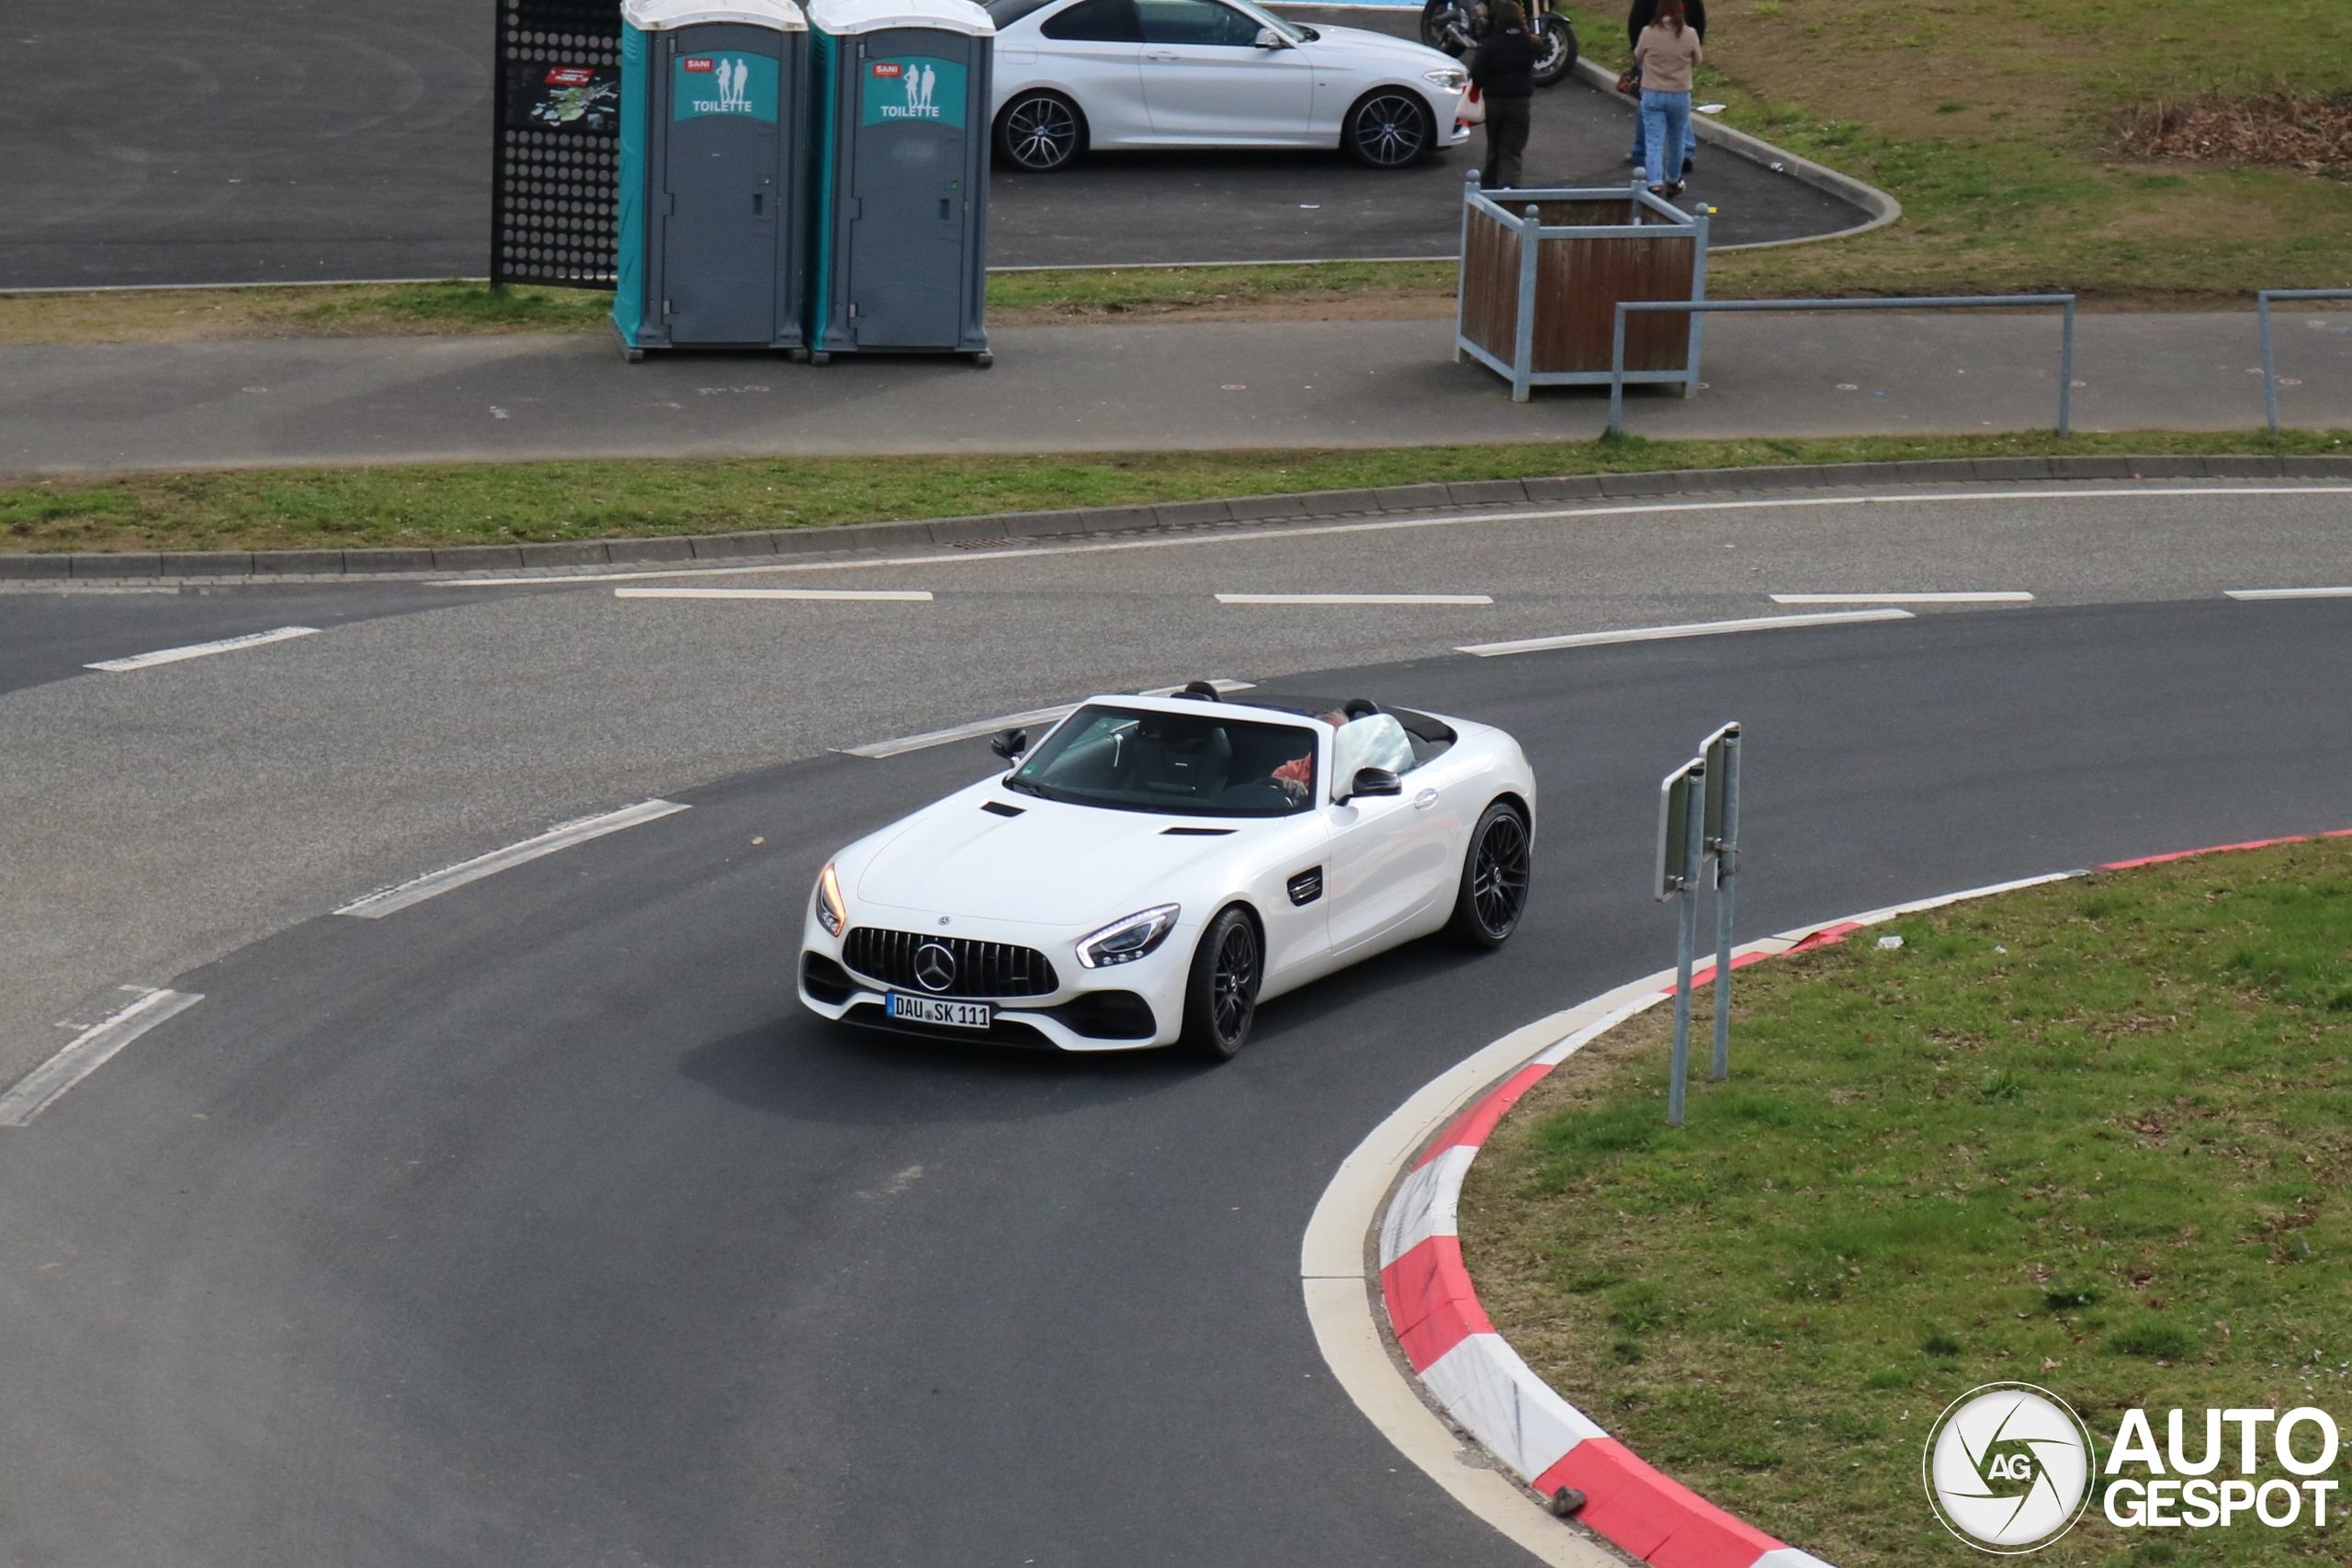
<point x="1123" y="942"/>
<point x="831" y="913"/>
<point x="1451" y="78"/>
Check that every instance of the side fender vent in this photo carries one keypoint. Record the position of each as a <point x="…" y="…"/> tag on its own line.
<point x="1306" y="886"/>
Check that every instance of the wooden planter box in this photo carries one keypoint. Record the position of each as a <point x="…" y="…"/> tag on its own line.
<point x="1539" y="291"/>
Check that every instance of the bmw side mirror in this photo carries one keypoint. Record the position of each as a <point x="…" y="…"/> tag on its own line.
<point x="1269" y="39"/>
<point x="1374" y="780"/>
<point x="1009" y="743"/>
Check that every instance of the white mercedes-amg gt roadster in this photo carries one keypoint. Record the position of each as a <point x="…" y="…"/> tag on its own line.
<point x="1155" y="867"/>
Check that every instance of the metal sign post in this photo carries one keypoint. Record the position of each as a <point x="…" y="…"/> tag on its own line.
<point x="1720" y="752"/>
<point x="1681" y="812"/>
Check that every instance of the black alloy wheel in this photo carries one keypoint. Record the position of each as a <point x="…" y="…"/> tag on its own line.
<point x="1388" y="130"/>
<point x="1039" y="132"/>
<point x="1494" y="878"/>
<point x="1555" y="48"/>
<point x="1221" y="999"/>
<point x="1445" y="24"/>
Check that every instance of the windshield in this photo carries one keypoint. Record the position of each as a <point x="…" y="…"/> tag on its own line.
<point x="1004" y="13"/>
<point x="1187" y="765"/>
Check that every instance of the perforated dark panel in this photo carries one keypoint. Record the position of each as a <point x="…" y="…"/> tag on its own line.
<point x="555" y="169"/>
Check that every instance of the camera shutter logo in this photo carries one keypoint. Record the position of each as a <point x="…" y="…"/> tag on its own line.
<point x="2008" y="1468"/>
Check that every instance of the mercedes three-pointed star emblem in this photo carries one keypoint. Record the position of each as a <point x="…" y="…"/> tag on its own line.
<point x="934" y="967"/>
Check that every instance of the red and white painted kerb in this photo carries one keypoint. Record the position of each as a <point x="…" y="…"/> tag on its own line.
<point x="1480" y="1381"/>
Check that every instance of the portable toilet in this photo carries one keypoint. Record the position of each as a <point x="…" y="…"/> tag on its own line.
<point x="898" y="252"/>
<point x="713" y="156"/>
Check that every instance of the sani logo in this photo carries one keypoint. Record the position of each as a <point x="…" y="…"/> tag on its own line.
<point x="920" y="81"/>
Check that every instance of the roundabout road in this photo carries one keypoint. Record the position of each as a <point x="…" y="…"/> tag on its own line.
<point x="538" y="1224"/>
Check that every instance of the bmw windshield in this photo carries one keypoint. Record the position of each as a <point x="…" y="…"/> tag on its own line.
<point x="1186" y="765"/>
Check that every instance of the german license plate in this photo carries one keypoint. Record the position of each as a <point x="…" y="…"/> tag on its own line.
<point x="937" y="1009"/>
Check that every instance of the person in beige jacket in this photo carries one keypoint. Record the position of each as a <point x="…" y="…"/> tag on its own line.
<point x="1667" y="52"/>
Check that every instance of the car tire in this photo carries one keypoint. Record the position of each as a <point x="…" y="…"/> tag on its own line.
<point x="1557" y="49"/>
<point x="1495" y="869"/>
<point x="1038" y="132"/>
<point x="1389" y="129"/>
<point x="1221" y="998"/>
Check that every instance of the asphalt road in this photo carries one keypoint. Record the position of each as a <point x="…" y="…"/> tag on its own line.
<point x="536" y="1224"/>
<point x="165" y="141"/>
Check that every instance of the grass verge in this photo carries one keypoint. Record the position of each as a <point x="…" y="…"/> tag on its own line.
<point x="498" y="503"/>
<point x="2094" y="1136"/>
<point x="1999" y="124"/>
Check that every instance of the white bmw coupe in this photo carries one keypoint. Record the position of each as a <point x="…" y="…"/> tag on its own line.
<point x="1077" y="73"/>
<point x="1155" y="867"/>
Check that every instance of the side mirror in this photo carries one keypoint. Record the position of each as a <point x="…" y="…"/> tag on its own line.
<point x="1269" y="39"/>
<point x="1009" y="743"/>
<point x="1374" y="780"/>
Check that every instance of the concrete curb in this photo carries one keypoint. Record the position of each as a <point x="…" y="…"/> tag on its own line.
<point x="1480" y="1382"/>
<point x="1882" y="208"/>
<point x="998" y="527"/>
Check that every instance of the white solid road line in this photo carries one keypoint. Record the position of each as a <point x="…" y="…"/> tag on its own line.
<point x="87" y="1052"/>
<point x="903" y="595"/>
<point x="1355" y="599"/>
<point x="1997" y="596"/>
<point x="376" y="906"/>
<point x="978" y="728"/>
<point x="1696" y="629"/>
<point x="2244" y="593"/>
<point x="201" y="650"/>
<point x="1276" y="531"/>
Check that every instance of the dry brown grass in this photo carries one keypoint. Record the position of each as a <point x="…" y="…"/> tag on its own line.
<point x="2282" y="130"/>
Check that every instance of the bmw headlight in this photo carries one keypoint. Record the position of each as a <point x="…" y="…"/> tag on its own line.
<point x="1453" y="78"/>
<point x="831" y="913"/>
<point x="1123" y="942"/>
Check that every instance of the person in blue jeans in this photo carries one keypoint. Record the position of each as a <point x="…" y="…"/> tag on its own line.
<point x="1667" y="54"/>
<point x="1643" y="13"/>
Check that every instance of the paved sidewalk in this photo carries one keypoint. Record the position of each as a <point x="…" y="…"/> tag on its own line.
<point x="1162" y="386"/>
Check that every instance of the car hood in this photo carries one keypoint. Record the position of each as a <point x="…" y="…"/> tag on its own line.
<point x="1054" y="865"/>
<point x="1359" y="45"/>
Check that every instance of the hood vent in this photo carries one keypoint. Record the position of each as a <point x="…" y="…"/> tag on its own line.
<point x="1194" y="833"/>
<point x="1000" y="809"/>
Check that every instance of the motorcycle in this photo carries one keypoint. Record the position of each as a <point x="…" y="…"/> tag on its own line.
<point x="1456" y="26"/>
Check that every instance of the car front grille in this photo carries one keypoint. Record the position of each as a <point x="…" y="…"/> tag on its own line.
<point x="982" y="968"/>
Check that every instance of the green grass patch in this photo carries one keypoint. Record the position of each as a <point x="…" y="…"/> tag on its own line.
<point x="1995" y="122"/>
<point x="1852" y="1233"/>
<point x="497" y="503"/>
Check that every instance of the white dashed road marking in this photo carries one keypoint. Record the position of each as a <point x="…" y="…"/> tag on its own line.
<point x="905" y="595"/>
<point x="2244" y="594"/>
<point x="1355" y="599"/>
<point x="376" y="906"/>
<point x="1700" y="629"/>
<point x="200" y="649"/>
<point x="1999" y="596"/>
<point x="87" y="1052"/>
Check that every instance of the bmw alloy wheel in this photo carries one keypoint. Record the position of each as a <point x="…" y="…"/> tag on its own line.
<point x="1388" y="130"/>
<point x="1038" y="132"/>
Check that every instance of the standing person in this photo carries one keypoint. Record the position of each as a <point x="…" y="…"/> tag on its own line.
<point x="1667" y="51"/>
<point x="1643" y="13"/>
<point x="1503" y="70"/>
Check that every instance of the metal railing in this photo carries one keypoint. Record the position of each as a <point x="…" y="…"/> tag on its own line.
<point x="2269" y="358"/>
<point x="1936" y="302"/>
